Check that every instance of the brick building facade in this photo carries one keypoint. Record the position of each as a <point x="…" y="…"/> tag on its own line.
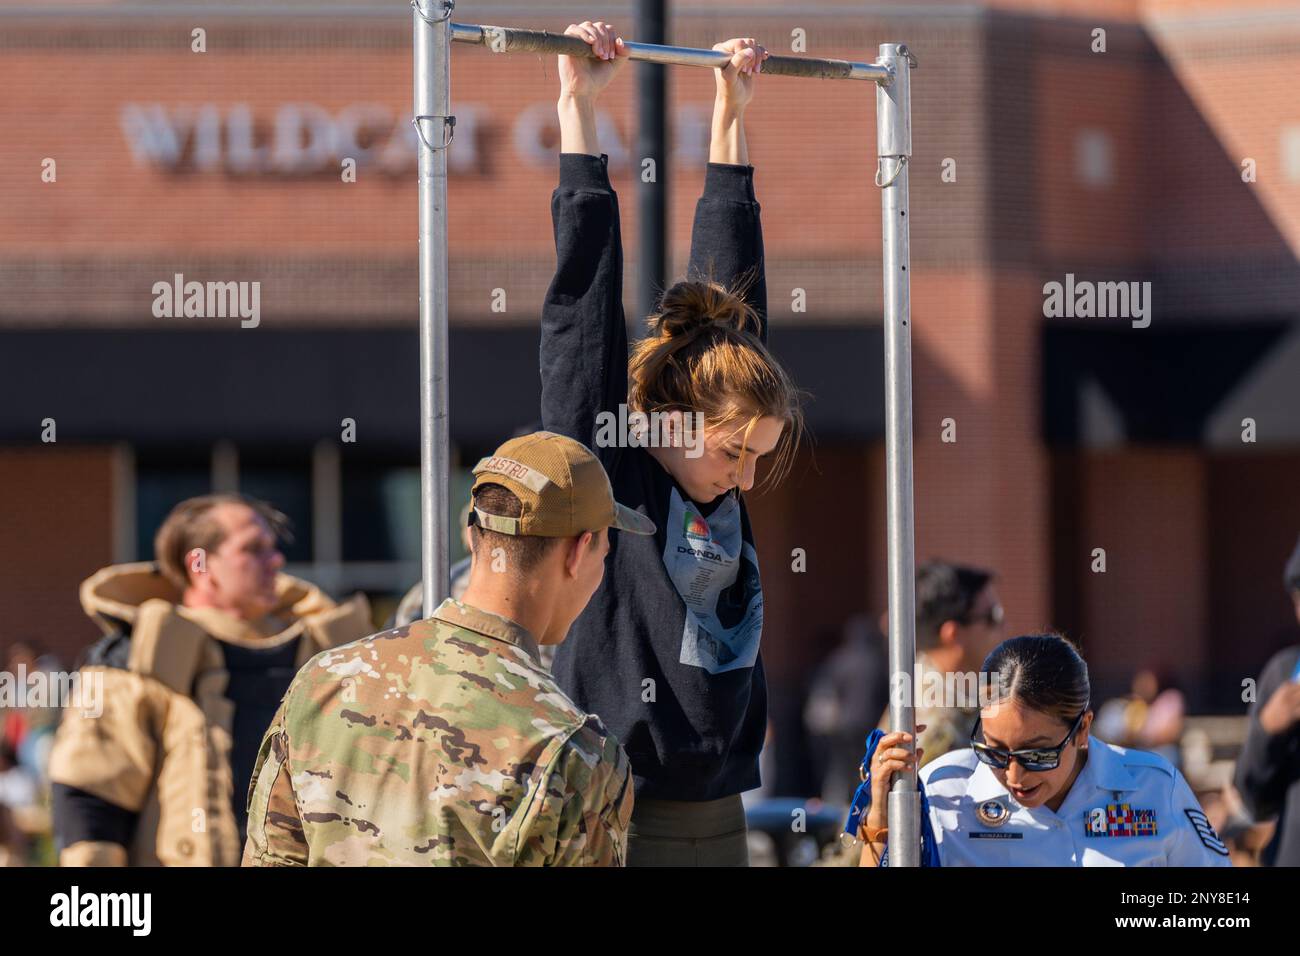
<point x="1116" y="166"/>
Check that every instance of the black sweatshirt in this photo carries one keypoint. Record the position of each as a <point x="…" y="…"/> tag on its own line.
<point x="683" y="690"/>
<point x="1268" y="768"/>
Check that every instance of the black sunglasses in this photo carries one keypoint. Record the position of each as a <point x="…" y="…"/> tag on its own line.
<point x="1034" y="759"/>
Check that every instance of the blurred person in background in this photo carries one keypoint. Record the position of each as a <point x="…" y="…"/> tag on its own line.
<point x="1148" y="718"/>
<point x="1246" y="840"/>
<point x="26" y="735"/>
<point x="1268" y="770"/>
<point x="199" y="647"/>
<point x="849" y="689"/>
<point x="17" y="791"/>
<point x="29" y="729"/>
<point x="958" y="622"/>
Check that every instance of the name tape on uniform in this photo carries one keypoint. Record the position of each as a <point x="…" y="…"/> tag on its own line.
<point x="528" y="477"/>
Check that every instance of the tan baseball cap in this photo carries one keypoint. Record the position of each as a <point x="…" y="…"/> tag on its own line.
<point x="562" y="486"/>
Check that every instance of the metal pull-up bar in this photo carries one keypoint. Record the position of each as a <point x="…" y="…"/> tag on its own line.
<point x="510" y="40"/>
<point x="434" y="35"/>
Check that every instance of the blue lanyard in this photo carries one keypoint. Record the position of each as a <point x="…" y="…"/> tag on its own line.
<point x="862" y="800"/>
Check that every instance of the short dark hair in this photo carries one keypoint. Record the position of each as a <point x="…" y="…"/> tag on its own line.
<point x="1043" y="672"/>
<point x="523" y="552"/>
<point x="190" y="526"/>
<point x="945" y="592"/>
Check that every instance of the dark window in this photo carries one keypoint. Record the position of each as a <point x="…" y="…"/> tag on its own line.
<point x="282" y="479"/>
<point x="381" y="511"/>
<point x="163" y="479"/>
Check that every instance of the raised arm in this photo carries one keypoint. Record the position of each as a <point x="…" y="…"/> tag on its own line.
<point x="584" y="336"/>
<point x="727" y="235"/>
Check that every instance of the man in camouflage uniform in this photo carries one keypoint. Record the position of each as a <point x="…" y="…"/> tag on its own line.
<point x="445" y="742"/>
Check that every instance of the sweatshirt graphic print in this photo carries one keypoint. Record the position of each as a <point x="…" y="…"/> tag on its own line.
<point x="705" y="559"/>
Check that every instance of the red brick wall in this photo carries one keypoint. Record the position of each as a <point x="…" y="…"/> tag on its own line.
<point x="1182" y="105"/>
<point x="821" y="509"/>
<point x="1253" y="522"/>
<point x="1146" y="508"/>
<point x="55" y="531"/>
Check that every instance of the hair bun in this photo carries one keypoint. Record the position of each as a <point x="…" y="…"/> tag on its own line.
<point x="689" y="306"/>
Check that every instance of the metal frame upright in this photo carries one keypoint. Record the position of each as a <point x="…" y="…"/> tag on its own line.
<point x="435" y="124"/>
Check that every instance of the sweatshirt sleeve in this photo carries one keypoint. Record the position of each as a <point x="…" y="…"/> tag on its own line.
<point x="727" y="236"/>
<point x="1268" y="764"/>
<point x="584" y="336"/>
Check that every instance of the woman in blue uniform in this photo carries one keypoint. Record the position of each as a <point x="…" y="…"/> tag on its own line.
<point x="1035" y="789"/>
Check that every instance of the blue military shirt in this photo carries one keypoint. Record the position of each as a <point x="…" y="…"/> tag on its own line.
<point x="1125" y="808"/>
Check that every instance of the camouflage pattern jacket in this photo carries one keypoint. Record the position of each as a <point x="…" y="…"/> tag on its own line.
<point x="441" y="743"/>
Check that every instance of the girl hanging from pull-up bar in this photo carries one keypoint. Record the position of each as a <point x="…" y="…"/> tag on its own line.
<point x="667" y="651"/>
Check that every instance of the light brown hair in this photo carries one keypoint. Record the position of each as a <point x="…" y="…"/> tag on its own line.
<point x="704" y="354"/>
<point x="191" y="525"/>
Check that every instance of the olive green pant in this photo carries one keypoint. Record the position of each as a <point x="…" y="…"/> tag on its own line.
<point x="688" y="833"/>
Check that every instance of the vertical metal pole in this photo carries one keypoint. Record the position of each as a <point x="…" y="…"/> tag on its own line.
<point x="652" y="141"/>
<point x="894" y="147"/>
<point x="432" y="115"/>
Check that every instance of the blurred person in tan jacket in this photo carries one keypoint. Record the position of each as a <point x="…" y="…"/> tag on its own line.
<point x="199" y="647"/>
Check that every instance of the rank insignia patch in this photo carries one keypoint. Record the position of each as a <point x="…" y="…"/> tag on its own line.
<point x="1205" y="830"/>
